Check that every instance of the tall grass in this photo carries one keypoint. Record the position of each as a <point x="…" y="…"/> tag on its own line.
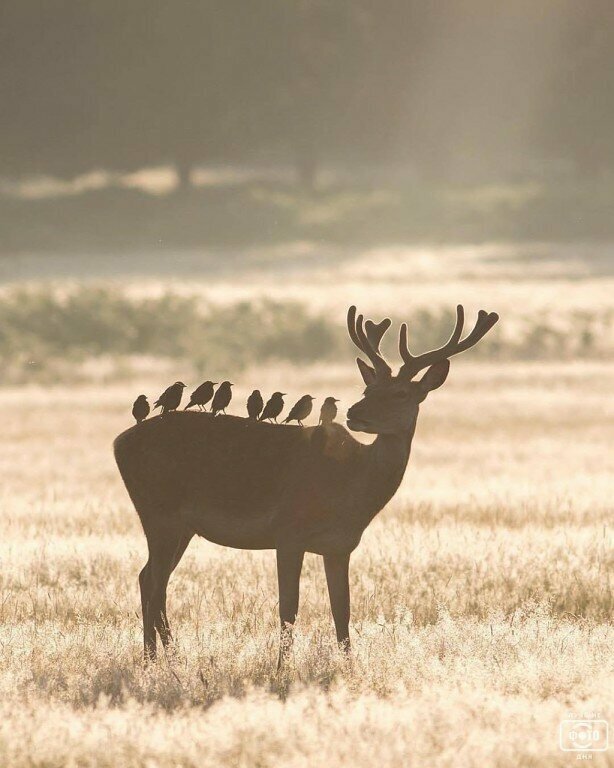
<point x="481" y="597"/>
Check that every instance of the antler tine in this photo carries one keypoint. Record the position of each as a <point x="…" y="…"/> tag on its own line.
<point x="376" y="331"/>
<point x="483" y="324"/>
<point x="381" y="366"/>
<point x="406" y="355"/>
<point x="352" y="326"/>
<point x="365" y="341"/>
<point x="413" y="364"/>
<point x="458" y="328"/>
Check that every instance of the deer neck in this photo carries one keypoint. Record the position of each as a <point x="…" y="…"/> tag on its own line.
<point x="388" y="458"/>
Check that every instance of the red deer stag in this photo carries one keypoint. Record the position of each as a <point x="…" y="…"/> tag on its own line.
<point x="254" y="485"/>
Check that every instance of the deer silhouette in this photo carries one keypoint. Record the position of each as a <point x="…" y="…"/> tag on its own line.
<point x="257" y="485"/>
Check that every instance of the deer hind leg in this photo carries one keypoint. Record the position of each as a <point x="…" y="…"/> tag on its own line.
<point x="337" y="578"/>
<point x="289" y="565"/>
<point x="149" y="632"/>
<point x="166" y="547"/>
<point x="161" y="619"/>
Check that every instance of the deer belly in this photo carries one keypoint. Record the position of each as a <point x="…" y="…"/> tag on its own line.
<point x="233" y="529"/>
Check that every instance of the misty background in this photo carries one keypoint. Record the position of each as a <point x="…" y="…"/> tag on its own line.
<point x="215" y="181"/>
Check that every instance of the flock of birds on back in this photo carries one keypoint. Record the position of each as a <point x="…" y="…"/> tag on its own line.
<point x="220" y="399"/>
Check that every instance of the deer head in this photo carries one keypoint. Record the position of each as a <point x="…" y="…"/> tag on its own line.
<point x="390" y="403"/>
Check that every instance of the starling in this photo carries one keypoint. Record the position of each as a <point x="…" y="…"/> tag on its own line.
<point x="222" y="398"/>
<point x="328" y="412"/>
<point x="300" y="410"/>
<point x="140" y="408"/>
<point x="274" y="407"/>
<point x="254" y="404"/>
<point x="201" y="395"/>
<point x="171" y="397"/>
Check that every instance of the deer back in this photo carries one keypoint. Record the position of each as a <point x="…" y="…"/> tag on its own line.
<point x="306" y="481"/>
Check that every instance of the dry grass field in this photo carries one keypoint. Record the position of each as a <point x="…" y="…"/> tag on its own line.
<point x="482" y="595"/>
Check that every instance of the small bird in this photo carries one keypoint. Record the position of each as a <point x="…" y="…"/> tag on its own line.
<point x="300" y="410"/>
<point x="254" y="404"/>
<point x="274" y="407"/>
<point x="328" y="411"/>
<point x="201" y="395"/>
<point x="140" y="408"/>
<point x="222" y="398"/>
<point x="170" y="399"/>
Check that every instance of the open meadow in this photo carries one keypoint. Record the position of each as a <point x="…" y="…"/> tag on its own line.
<point x="481" y="595"/>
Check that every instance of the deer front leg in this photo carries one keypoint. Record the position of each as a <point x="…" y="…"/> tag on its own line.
<point x="289" y="565"/>
<point x="337" y="578"/>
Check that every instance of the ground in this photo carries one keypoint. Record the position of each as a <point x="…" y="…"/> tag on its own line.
<point x="481" y="595"/>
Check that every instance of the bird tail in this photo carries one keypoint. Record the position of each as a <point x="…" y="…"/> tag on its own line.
<point x="189" y="405"/>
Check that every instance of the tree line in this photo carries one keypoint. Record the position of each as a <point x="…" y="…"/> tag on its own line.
<point x="448" y="88"/>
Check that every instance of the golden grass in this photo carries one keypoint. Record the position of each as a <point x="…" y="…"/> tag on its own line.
<point x="481" y="595"/>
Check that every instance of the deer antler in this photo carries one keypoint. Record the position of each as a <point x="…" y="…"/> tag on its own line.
<point x="412" y="364"/>
<point x="368" y="340"/>
<point x="376" y="331"/>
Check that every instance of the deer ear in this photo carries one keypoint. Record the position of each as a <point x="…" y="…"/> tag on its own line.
<point x="367" y="373"/>
<point x="435" y="376"/>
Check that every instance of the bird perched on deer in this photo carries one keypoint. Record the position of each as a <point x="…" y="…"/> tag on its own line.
<point x="300" y="410"/>
<point x="170" y="399"/>
<point x="222" y="398"/>
<point x="254" y="405"/>
<point x="328" y="411"/>
<point x="140" y="408"/>
<point x="202" y="395"/>
<point x="274" y="407"/>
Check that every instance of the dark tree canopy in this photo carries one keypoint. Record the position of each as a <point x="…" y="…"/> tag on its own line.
<point x="87" y="84"/>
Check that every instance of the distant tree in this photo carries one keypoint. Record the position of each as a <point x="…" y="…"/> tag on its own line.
<point x="49" y="87"/>
<point x="120" y="84"/>
<point x="577" y="119"/>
